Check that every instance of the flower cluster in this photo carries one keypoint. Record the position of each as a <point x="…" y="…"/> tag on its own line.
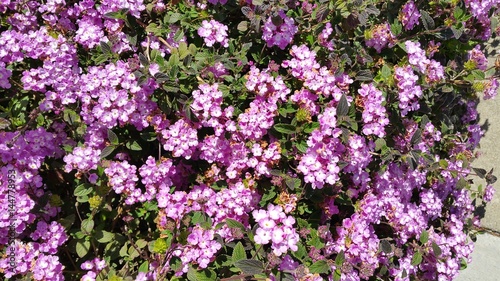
<point x="380" y="37"/>
<point x="477" y="57"/>
<point x="4" y="76"/>
<point x="491" y="89"/>
<point x="374" y="113"/>
<point x="180" y="138"/>
<point x="316" y="78"/>
<point x="257" y="119"/>
<point x="324" y="35"/>
<point x="217" y="149"/>
<point x="279" y="30"/>
<point x="409" y="91"/>
<point x="320" y="163"/>
<point x="213" y="32"/>
<point x="275" y="227"/>
<point x="122" y="179"/>
<point x="200" y="250"/>
<point x="434" y="70"/>
<point x="409" y="15"/>
<point x="82" y="159"/>
<point x="94" y="267"/>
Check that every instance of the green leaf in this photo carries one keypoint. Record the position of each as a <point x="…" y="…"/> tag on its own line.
<point x="343" y="106"/>
<point x="82" y="190"/>
<point x="175" y="17"/>
<point x="424" y="237"/>
<point x="480" y="172"/>
<point x="161" y="77"/>
<point x="293" y="183"/>
<point x="396" y="27"/>
<point x="71" y="117"/>
<point x="133" y="145"/>
<point x="239" y="253"/>
<point x="427" y="20"/>
<point x="339" y="259"/>
<point x="234" y="224"/>
<point x="144" y="267"/>
<point x="385" y="246"/>
<point x="417" y="259"/>
<point x="106" y="48"/>
<point x="458" y="13"/>
<point x="457" y="32"/>
<point x="301" y="146"/>
<point x="379" y="144"/>
<point x="82" y="248"/>
<point x="160" y="246"/>
<point x="417" y="137"/>
<point x="113" y="138"/>
<point x="436" y="249"/>
<point x="250" y="267"/>
<point x="320" y="267"/>
<point x="103" y="236"/>
<point x="107" y="151"/>
<point x="87" y="226"/>
<point x="203" y="275"/>
<point x="242" y="26"/>
<point x="364" y="75"/>
<point x="337" y="275"/>
<point x="386" y="71"/>
<point x="310" y="127"/>
<point x="285" y="128"/>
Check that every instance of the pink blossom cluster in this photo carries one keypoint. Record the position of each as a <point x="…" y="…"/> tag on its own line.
<point x="306" y="100"/>
<point x="320" y="163"/>
<point x="181" y="138"/>
<point x="257" y="119"/>
<point x="380" y="37"/>
<point x="83" y="159"/>
<point x="200" y="249"/>
<point x="489" y="191"/>
<point x="4" y="76"/>
<point x="234" y="202"/>
<point x="94" y="267"/>
<point x="374" y="113"/>
<point x="122" y="179"/>
<point x="213" y="32"/>
<point x="429" y="135"/>
<point x="409" y="15"/>
<point x="491" y="89"/>
<point x="316" y="78"/>
<point x="478" y="57"/>
<point x="275" y="227"/>
<point x="358" y="157"/>
<point x="433" y="70"/>
<point x="409" y="91"/>
<point x="324" y="35"/>
<point x="360" y="244"/>
<point x="279" y="35"/>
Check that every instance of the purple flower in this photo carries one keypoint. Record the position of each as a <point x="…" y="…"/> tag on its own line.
<point x="380" y="37"/>
<point x="213" y="31"/>
<point x="489" y="192"/>
<point x="279" y="35"/>
<point x="409" y="15"/>
<point x="491" y="89"/>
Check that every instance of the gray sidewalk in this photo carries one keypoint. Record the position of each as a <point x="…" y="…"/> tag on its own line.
<point x="485" y="264"/>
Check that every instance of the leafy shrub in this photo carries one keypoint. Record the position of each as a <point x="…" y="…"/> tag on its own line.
<point x="225" y="140"/>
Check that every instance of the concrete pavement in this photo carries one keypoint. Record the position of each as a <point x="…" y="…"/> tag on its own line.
<point x="485" y="264"/>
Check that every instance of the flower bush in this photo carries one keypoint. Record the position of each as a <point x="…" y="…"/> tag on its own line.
<point x="225" y="140"/>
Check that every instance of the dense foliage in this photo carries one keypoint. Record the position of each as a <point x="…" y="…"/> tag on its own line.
<point x="230" y="140"/>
